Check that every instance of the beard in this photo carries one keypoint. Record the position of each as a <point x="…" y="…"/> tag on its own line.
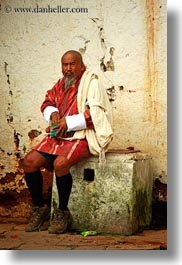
<point x="69" y="81"/>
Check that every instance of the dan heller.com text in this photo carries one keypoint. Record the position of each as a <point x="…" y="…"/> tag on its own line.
<point x="49" y="9"/>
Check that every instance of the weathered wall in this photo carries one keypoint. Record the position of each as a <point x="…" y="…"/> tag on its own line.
<point x="122" y="40"/>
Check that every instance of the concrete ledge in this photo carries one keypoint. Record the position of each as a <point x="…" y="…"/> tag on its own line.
<point x="113" y="199"/>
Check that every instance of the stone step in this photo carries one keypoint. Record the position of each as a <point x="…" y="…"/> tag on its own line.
<point x="116" y="198"/>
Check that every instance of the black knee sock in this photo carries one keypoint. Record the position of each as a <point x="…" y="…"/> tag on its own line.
<point x="64" y="185"/>
<point x="34" y="182"/>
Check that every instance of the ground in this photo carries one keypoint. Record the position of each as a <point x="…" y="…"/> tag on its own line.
<point x="13" y="237"/>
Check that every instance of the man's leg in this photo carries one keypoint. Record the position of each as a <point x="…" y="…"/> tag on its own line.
<point x="40" y="212"/>
<point x="62" y="217"/>
<point x="72" y="153"/>
<point x="35" y="183"/>
<point x="63" y="181"/>
<point x="32" y="163"/>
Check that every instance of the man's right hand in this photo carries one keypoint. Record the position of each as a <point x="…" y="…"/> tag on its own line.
<point x="55" y="117"/>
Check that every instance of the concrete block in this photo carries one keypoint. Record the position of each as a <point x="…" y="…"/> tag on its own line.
<point x="113" y="199"/>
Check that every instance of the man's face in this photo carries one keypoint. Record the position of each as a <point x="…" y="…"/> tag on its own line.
<point x="71" y="66"/>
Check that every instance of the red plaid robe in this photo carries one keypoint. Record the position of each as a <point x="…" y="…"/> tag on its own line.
<point x="65" y="99"/>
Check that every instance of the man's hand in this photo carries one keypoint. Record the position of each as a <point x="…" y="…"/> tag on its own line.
<point x="61" y="128"/>
<point x="55" y="117"/>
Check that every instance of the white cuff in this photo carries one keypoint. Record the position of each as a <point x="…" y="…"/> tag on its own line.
<point x="48" y="111"/>
<point x="76" y="122"/>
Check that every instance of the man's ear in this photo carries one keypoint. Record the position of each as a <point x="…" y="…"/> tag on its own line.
<point x="83" y="67"/>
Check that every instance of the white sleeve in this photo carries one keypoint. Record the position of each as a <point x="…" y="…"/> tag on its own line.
<point x="76" y="122"/>
<point x="48" y="111"/>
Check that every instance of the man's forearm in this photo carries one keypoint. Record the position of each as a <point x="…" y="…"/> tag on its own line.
<point x="48" y="111"/>
<point x="76" y="122"/>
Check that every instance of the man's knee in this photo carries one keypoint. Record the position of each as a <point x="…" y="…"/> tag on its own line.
<point x="32" y="161"/>
<point x="28" y="160"/>
<point x="61" y="163"/>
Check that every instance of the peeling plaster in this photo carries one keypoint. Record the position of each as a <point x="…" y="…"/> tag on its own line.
<point x="105" y="64"/>
<point x="16" y="139"/>
<point x="108" y="65"/>
<point x="6" y="72"/>
<point x="34" y="133"/>
<point x="111" y="93"/>
<point x="10" y="102"/>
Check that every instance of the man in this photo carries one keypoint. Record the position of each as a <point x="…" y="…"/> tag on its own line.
<point x="77" y="111"/>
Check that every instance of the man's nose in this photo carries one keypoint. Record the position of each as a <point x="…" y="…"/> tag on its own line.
<point x="68" y="67"/>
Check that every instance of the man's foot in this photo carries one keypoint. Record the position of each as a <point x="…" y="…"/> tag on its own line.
<point x="38" y="216"/>
<point x="61" y="221"/>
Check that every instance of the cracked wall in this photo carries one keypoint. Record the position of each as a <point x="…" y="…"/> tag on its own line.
<point x="124" y="41"/>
